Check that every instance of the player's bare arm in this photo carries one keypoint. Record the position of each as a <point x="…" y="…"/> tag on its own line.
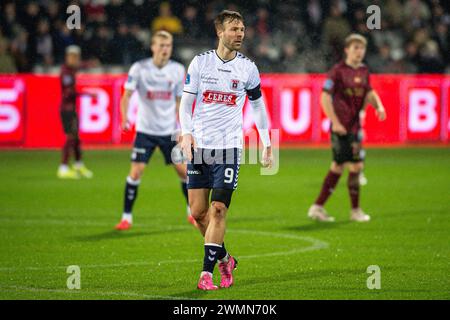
<point x="124" y="103"/>
<point x="373" y="99"/>
<point x="328" y="109"/>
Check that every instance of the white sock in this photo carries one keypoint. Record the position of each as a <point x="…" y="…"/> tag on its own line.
<point x="225" y="259"/>
<point x="78" y="164"/>
<point x="206" y="272"/>
<point x="63" y="167"/>
<point x="128" y="217"/>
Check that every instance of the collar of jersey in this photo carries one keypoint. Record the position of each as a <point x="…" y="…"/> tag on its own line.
<point x="225" y="61"/>
<point x="153" y="64"/>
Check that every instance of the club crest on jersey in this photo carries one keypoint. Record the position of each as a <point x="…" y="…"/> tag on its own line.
<point x="357" y="79"/>
<point x="234" y="84"/>
<point x="188" y="79"/>
<point x="218" y="97"/>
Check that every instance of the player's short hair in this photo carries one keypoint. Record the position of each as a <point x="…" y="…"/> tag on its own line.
<point x="355" y="37"/>
<point x="73" y="49"/>
<point x="227" y="15"/>
<point x="163" y="34"/>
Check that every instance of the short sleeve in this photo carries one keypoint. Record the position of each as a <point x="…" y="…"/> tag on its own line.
<point x="192" y="77"/>
<point x="180" y="82"/>
<point x="254" y="79"/>
<point x="132" y="80"/>
<point x="330" y="83"/>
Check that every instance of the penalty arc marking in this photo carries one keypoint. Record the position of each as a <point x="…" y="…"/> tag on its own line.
<point x="315" y="244"/>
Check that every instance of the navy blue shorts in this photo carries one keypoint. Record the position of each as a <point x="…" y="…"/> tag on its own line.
<point x="214" y="169"/>
<point x="145" y="144"/>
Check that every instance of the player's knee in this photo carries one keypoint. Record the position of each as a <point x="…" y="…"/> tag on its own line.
<point x="337" y="168"/>
<point x="198" y="212"/>
<point x="219" y="211"/>
<point x="356" y="167"/>
<point x="222" y="198"/>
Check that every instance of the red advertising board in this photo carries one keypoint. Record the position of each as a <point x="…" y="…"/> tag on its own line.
<point x="12" y="111"/>
<point x="417" y="107"/>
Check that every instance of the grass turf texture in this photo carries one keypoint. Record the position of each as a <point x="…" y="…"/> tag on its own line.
<point x="47" y="224"/>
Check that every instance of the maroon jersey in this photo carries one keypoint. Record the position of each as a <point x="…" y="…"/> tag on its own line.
<point x="348" y="87"/>
<point x="68" y="92"/>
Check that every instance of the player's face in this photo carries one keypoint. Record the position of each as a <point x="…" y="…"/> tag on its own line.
<point x="356" y="52"/>
<point x="73" y="60"/>
<point x="162" y="48"/>
<point x="232" y="34"/>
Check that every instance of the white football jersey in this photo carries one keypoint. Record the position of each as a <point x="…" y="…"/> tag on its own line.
<point x="220" y="88"/>
<point x="157" y="90"/>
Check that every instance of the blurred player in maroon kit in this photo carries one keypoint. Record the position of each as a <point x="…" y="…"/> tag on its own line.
<point x="69" y="118"/>
<point x="345" y="92"/>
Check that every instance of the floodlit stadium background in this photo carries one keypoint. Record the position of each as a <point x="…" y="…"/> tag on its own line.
<point x="300" y="39"/>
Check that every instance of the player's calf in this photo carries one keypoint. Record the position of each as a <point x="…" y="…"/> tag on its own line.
<point x="200" y="216"/>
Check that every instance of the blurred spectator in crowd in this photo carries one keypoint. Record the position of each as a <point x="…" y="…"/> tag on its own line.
<point x="19" y="49"/>
<point x="381" y="61"/>
<point x="124" y="47"/>
<point x="442" y="37"/>
<point x="281" y="35"/>
<point x="7" y="64"/>
<point x="393" y="12"/>
<point x="313" y="16"/>
<point x="9" y="22"/>
<point x="430" y="61"/>
<point x="99" y="45"/>
<point x="262" y="23"/>
<point x="335" y="29"/>
<point x="166" y="20"/>
<point x="417" y="11"/>
<point x="290" y="59"/>
<point x="44" y="44"/>
<point x="191" y="22"/>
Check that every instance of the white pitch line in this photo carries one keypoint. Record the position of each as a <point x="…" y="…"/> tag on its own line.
<point x="316" y="244"/>
<point x="77" y="223"/>
<point x="100" y="293"/>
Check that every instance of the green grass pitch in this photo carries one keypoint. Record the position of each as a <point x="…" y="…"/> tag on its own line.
<point x="47" y="224"/>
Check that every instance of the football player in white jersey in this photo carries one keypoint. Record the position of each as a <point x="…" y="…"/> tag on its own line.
<point x="212" y="137"/>
<point x="159" y="85"/>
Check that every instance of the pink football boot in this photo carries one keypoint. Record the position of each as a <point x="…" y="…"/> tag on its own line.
<point x="226" y="272"/>
<point x="206" y="282"/>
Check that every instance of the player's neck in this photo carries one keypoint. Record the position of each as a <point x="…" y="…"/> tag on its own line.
<point x="160" y="63"/>
<point x="353" y="64"/>
<point x="224" y="53"/>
